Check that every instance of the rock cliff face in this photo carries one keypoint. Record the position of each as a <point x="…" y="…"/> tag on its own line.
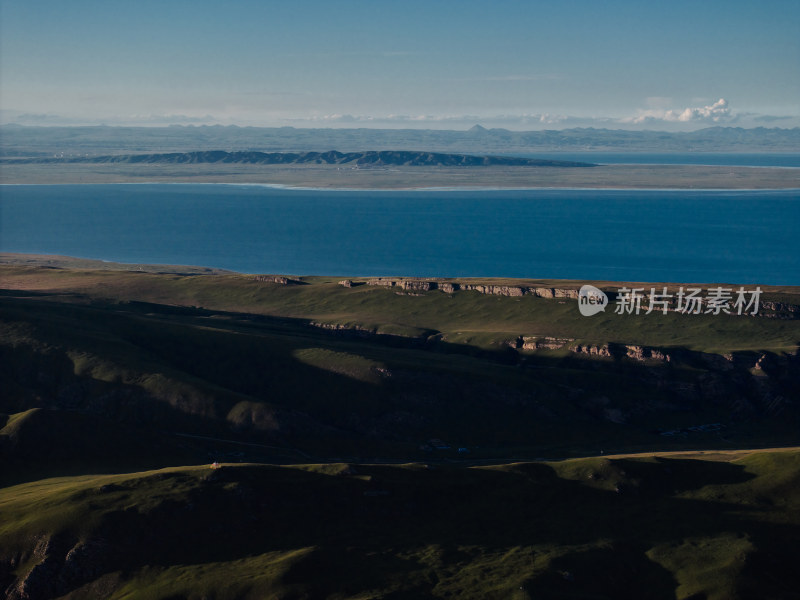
<point x="720" y="368"/>
<point x="420" y="286"/>
<point x="540" y="343"/>
<point x="61" y="565"/>
<point x="450" y="287"/>
<point x="779" y="309"/>
<point x="494" y="290"/>
<point x="405" y="284"/>
<point x="349" y="329"/>
<point x="769" y="309"/>
<point x="592" y="349"/>
<point x="276" y="279"/>
<point x="642" y="353"/>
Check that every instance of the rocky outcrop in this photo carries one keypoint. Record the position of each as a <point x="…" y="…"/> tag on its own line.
<point x="450" y="287"/>
<point x="541" y="343"/>
<point x="643" y="353"/>
<point x="592" y="349"/>
<point x="405" y="284"/>
<point x="779" y="307"/>
<point x="380" y="281"/>
<point x="350" y="329"/>
<point x="280" y="279"/>
<point x="495" y="290"/>
<point x="62" y="566"/>
<point x="766" y="308"/>
<point x="565" y="293"/>
<point x="416" y="285"/>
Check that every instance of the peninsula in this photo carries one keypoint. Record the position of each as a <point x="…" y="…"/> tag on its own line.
<point x="383" y="170"/>
<point x="384" y="159"/>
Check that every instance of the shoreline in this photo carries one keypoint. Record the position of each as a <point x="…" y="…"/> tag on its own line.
<point x="289" y="187"/>
<point x="484" y="178"/>
<point x="60" y="261"/>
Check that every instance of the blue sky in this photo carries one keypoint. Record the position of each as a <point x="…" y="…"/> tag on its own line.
<point x="520" y="65"/>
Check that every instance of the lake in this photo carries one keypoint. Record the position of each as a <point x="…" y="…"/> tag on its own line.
<point x="682" y="236"/>
<point x="727" y="159"/>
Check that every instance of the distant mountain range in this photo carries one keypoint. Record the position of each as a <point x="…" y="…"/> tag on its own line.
<point x="19" y="141"/>
<point x="365" y="159"/>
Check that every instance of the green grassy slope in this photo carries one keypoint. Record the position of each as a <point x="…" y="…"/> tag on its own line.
<point x="42" y="442"/>
<point x="464" y="317"/>
<point x="228" y="357"/>
<point x="305" y="391"/>
<point x="325" y="405"/>
<point x="585" y="528"/>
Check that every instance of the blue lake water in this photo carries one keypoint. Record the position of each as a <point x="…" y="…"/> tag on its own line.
<point x="728" y="159"/>
<point x="686" y="236"/>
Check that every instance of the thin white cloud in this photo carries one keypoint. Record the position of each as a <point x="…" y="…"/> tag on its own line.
<point x="347" y="118"/>
<point x="718" y="112"/>
<point x="686" y="119"/>
<point x="544" y="118"/>
<point x="519" y="122"/>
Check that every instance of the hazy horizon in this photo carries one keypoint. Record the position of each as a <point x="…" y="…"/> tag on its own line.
<point x="8" y="118"/>
<point x="513" y="65"/>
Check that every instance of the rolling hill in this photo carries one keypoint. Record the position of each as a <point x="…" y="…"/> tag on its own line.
<point x="470" y="439"/>
<point x="361" y="159"/>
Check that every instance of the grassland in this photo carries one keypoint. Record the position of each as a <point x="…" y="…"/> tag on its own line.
<point x="383" y="443"/>
<point x="468" y="318"/>
<point x="644" y="527"/>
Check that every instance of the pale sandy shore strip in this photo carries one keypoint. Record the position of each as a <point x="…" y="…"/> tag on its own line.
<point x="652" y="177"/>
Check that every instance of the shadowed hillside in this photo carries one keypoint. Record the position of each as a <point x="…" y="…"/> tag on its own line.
<point x="620" y="528"/>
<point x="363" y="159"/>
<point x="386" y="438"/>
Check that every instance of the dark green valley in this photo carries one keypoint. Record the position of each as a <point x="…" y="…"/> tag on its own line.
<point x="170" y="433"/>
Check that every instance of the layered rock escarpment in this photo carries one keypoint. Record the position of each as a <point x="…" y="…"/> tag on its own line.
<point x="450" y="287"/>
<point x="279" y="279"/>
<point x="766" y="308"/>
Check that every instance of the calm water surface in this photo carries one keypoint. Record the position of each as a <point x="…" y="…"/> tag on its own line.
<point x="686" y="236"/>
<point x="729" y="159"/>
